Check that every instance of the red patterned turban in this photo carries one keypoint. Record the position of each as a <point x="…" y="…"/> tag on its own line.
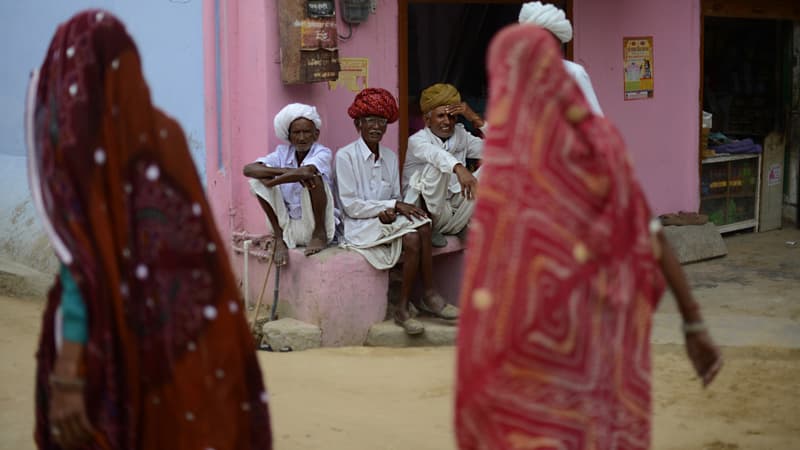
<point x="374" y="102"/>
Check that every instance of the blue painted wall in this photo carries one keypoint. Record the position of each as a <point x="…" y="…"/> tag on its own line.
<point x="167" y="32"/>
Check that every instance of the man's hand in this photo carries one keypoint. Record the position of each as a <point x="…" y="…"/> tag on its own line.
<point x="463" y="109"/>
<point x="311" y="177"/>
<point x="468" y="182"/>
<point x="410" y="211"/>
<point x="387" y="216"/>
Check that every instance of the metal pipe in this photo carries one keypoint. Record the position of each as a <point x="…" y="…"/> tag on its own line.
<point x="246" y="270"/>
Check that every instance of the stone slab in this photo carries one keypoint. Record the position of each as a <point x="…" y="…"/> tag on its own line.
<point x="389" y="334"/>
<point x="292" y="333"/>
<point x="694" y="243"/>
<point x="17" y="280"/>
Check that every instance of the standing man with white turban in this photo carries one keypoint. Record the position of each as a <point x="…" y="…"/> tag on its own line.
<point x="292" y="184"/>
<point x="435" y="172"/>
<point x="553" y="20"/>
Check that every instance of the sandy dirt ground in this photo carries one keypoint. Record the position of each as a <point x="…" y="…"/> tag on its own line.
<point x="376" y="398"/>
<point x="368" y="398"/>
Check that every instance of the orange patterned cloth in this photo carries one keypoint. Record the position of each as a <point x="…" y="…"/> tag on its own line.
<point x="169" y="362"/>
<point x="561" y="276"/>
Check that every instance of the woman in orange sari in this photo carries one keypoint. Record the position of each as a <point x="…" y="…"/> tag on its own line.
<point x="144" y="344"/>
<point x="563" y="272"/>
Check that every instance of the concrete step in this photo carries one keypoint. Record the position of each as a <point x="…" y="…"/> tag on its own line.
<point x="693" y="243"/>
<point x="388" y="334"/>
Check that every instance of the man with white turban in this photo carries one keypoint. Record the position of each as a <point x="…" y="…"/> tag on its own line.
<point x="553" y="20"/>
<point x="435" y="173"/>
<point x="292" y="184"/>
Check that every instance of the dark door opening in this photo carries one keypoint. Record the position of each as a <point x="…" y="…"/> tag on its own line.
<point x="445" y="41"/>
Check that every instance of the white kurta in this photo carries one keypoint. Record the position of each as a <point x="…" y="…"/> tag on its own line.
<point x="285" y="157"/>
<point x="428" y="173"/>
<point x="578" y="73"/>
<point x="367" y="186"/>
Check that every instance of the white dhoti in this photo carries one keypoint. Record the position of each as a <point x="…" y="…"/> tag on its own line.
<point x="384" y="251"/>
<point x="296" y="232"/>
<point x="449" y="210"/>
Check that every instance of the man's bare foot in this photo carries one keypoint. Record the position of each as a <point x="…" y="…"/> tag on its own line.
<point x="281" y="255"/>
<point x="316" y="245"/>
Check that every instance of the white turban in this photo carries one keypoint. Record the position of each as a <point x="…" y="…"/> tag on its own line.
<point x="548" y="17"/>
<point x="290" y="113"/>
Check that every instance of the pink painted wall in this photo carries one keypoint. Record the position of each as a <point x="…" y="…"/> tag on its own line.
<point x="252" y="93"/>
<point x="661" y="133"/>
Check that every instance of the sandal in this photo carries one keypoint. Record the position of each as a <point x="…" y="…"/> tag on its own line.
<point x="448" y="311"/>
<point x="438" y="240"/>
<point x="411" y="326"/>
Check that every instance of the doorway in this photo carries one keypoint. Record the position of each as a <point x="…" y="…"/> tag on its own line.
<point x="747" y="84"/>
<point x="445" y="41"/>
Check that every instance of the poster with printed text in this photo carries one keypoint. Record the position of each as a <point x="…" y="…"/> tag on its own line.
<point x="638" y="67"/>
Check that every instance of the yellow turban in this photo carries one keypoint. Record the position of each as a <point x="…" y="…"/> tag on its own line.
<point x="439" y="94"/>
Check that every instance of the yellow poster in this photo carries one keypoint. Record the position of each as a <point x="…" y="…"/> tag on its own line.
<point x="353" y="74"/>
<point x="638" y="67"/>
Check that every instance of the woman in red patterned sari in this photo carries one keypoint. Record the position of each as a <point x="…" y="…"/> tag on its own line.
<point x="167" y="361"/>
<point x="563" y="272"/>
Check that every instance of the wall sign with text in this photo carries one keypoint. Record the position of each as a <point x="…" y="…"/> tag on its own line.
<point x="637" y="59"/>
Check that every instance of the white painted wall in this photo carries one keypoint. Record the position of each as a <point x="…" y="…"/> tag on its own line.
<point x="168" y="34"/>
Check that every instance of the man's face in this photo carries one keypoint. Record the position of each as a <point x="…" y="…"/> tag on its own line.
<point x="440" y="123"/>
<point x="302" y="134"/>
<point x="371" y="128"/>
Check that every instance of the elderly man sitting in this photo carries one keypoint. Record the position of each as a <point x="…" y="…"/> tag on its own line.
<point x="292" y="184"/>
<point x="376" y="223"/>
<point x="435" y="173"/>
<point x="555" y="21"/>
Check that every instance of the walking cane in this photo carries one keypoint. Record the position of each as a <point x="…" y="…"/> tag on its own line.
<point x="264" y="288"/>
<point x="274" y="312"/>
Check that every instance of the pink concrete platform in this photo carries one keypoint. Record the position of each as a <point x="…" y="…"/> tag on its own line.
<point x="337" y="289"/>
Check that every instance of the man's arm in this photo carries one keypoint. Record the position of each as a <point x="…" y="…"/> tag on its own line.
<point x="430" y="153"/>
<point x="261" y="171"/>
<point x="322" y="160"/>
<point x="273" y="176"/>
<point x="464" y="110"/>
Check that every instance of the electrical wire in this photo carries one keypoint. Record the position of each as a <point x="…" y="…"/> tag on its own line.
<point x="349" y="34"/>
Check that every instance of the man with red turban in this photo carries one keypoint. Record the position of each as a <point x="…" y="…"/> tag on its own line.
<point x="435" y="173"/>
<point x="376" y="223"/>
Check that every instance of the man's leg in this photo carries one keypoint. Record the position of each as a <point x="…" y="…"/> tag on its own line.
<point x="281" y="257"/>
<point x="432" y="302"/>
<point x="429" y="187"/>
<point x="411" y="257"/>
<point x="267" y="197"/>
<point x="319" y="205"/>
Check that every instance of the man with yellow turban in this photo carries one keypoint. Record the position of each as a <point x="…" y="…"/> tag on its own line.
<point x="555" y="21"/>
<point x="377" y="223"/>
<point x="435" y="173"/>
